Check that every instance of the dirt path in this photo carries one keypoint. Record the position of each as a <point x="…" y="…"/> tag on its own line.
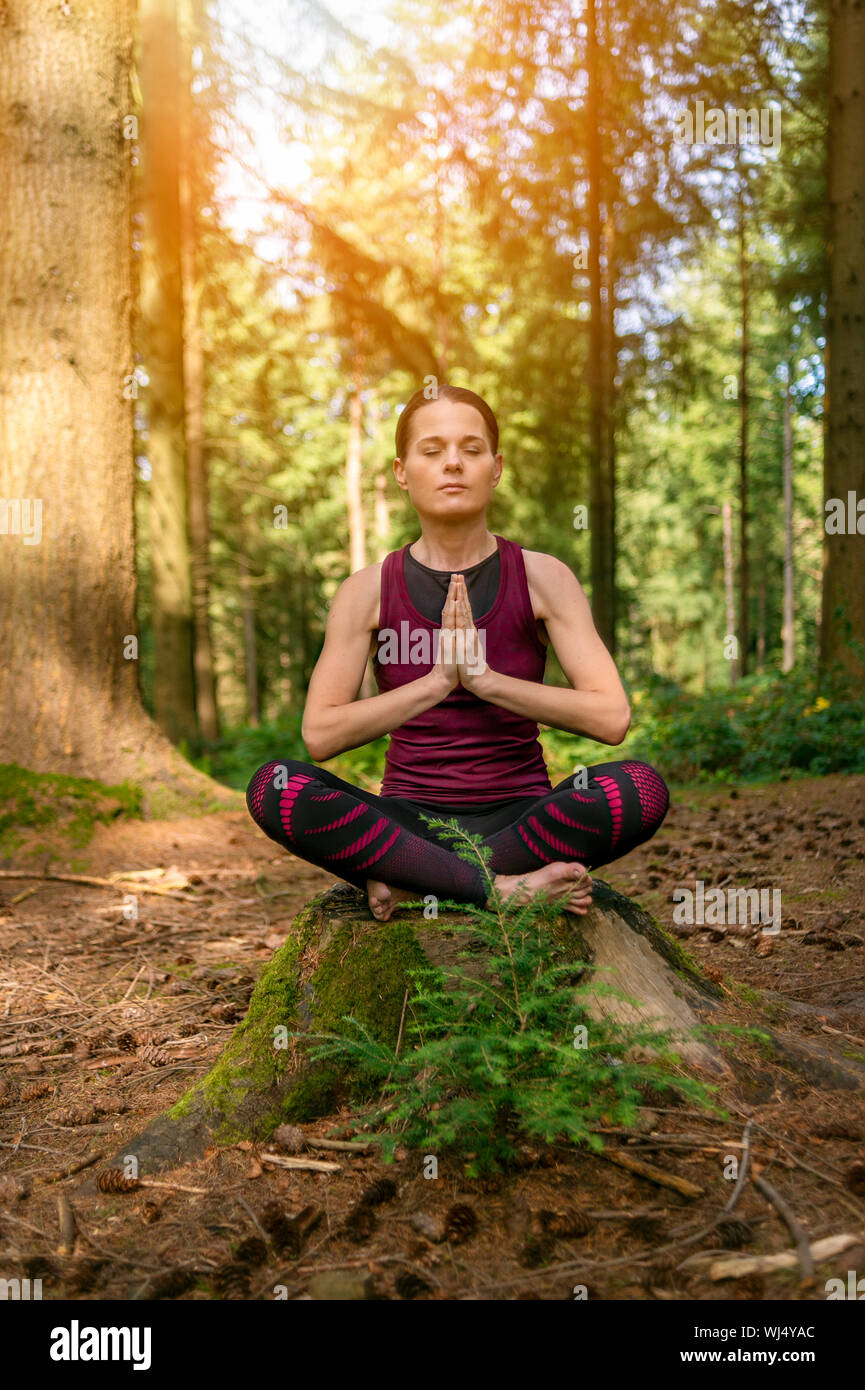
<point x="106" y="1019"/>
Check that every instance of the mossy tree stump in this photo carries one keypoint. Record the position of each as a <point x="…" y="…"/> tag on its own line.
<point x="339" y="960"/>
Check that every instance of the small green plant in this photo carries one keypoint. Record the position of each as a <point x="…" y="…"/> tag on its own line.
<point x="515" y="1053"/>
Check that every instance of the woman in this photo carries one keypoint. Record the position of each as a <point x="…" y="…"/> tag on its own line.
<point x="458" y="624"/>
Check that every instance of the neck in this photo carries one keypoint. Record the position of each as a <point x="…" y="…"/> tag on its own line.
<point x="455" y="547"/>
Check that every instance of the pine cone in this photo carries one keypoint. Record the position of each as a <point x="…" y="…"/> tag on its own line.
<point x="359" y="1225"/>
<point x="225" y="1013"/>
<point x="115" y="1180"/>
<point x="734" y="1232"/>
<point x="178" y="987"/>
<point x="251" y="1251"/>
<point x="460" y="1223"/>
<point x="125" y="1042"/>
<point x="382" y="1190"/>
<point x="411" y="1285"/>
<point x="536" y="1251"/>
<point x="289" y="1139"/>
<point x="156" y="1056"/>
<point x="150" y="1211"/>
<point x="187" y="1030"/>
<point x="39" y="1088"/>
<point x="172" y="1283"/>
<point x="75" y="1115"/>
<point x="565" y="1225"/>
<point x="278" y="1226"/>
<point x="231" y="1280"/>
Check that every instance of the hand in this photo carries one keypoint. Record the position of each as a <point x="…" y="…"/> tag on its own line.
<point x="470" y="648"/>
<point x="446" y="666"/>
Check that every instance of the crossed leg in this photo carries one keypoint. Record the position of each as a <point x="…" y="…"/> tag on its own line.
<point x="380" y="848"/>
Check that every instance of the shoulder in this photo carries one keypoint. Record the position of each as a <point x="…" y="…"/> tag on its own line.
<point x="550" y="581"/>
<point x="356" y="601"/>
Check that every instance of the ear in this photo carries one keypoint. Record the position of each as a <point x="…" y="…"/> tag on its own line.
<point x="399" y="474"/>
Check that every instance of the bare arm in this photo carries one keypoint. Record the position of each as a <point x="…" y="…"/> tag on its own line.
<point x="597" y="705"/>
<point x="334" y="720"/>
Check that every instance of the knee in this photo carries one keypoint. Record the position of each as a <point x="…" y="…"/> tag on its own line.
<point x="274" y="774"/>
<point x="652" y="791"/>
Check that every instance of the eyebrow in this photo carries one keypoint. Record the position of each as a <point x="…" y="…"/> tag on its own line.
<point x="437" y="439"/>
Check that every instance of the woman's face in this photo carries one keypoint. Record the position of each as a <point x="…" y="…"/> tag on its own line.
<point x="449" y="470"/>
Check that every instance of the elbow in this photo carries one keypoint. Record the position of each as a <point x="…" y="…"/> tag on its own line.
<point x="620" y="725"/>
<point x="315" y="745"/>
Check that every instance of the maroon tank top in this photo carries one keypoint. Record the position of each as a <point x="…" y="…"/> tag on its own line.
<point x="463" y="750"/>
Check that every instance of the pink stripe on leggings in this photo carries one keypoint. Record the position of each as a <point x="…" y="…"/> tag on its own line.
<point x="614" y="801"/>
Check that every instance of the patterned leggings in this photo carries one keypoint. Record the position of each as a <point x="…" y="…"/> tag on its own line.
<point x="358" y="835"/>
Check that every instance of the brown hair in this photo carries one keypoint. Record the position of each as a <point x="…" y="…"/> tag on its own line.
<point x="448" y="393"/>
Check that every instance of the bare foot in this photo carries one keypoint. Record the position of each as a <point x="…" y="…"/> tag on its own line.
<point x="567" y="883"/>
<point x="383" y="898"/>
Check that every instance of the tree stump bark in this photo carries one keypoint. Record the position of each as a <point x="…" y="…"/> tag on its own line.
<point x="338" y="960"/>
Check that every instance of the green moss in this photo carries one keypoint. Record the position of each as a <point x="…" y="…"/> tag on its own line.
<point x="71" y="805"/>
<point x="768" y="1047"/>
<point x="748" y="995"/>
<point x="251" y="1063"/>
<point x="317" y="1093"/>
<point x="374" y="989"/>
<point x="167" y="803"/>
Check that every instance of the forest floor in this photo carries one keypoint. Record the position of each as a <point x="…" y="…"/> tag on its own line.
<point x="105" y="1022"/>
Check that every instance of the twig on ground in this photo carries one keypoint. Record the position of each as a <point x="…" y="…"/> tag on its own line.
<point x="743" y="1168"/>
<point x="71" y="1168"/>
<point x="68" y="1226"/>
<point x="803" y="1248"/>
<point x="314" y="1165"/>
<point x="652" y="1174"/>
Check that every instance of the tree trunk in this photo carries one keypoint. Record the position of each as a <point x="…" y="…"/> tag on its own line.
<point x="338" y="960"/>
<point x="193" y="376"/>
<point x="842" y="632"/>
<point x="162" y="317"/>
<point x="761" y="620"/>
<point x="611" y="362"/>
<point x="69" y="677"/>
<point x="788" y="635"/>
<point x="600" y="508"/>
<point x="250" y="656"/>
<point x="353" y="480"/>
<point x="354" y="500"/>
<point x="744" y="575"/>
<point x="729" y="599"/>
<point x="284" y="664"/>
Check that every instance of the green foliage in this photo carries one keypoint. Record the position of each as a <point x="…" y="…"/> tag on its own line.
<point x="769" y="726"/>
<point x="234" y="757"/>
<point x="494" y="1058"/>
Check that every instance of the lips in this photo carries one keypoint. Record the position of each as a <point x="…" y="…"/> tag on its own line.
<point x="453" y="487"/>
